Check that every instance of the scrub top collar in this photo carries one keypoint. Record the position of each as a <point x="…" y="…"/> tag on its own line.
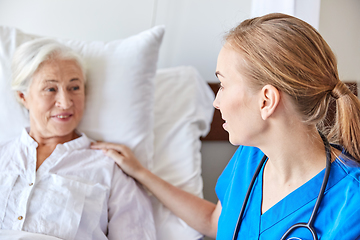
<point x="297" y="199"/>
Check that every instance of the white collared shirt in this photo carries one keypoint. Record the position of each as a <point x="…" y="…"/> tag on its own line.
<point x="77" y="193"/>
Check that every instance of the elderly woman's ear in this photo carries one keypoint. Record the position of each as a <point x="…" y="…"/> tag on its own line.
<point x="22" y="98"/>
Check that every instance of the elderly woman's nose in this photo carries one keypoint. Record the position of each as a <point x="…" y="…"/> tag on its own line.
<point x="63" y="100"/>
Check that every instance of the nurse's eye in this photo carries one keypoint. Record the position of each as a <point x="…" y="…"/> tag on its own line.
<point x="221" y="87"/>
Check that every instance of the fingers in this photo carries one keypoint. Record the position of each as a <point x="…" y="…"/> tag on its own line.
<point x="118" y="157"/>
<point x="101" y="145"/>
<point x="115" y="146"/>
<point x="122" y="155"/>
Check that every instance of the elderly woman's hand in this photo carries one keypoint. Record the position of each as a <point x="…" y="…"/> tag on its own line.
<point x="123" y="156"/>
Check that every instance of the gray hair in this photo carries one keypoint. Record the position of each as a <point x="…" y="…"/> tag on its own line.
<point x="28" y="57"/>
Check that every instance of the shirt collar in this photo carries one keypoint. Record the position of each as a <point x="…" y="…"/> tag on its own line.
<point x="79" y="143"/>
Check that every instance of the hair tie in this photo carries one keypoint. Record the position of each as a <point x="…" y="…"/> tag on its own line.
<point x="339" y="90"/>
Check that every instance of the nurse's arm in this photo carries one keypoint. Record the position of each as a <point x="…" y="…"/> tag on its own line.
<point x="198" y="213"/>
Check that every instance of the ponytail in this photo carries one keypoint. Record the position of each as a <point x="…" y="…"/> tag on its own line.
<point x="346" y="130"/>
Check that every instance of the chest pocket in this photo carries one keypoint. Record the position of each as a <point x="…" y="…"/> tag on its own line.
<point x="7" y="182"/>
<point x="59" y="206"/>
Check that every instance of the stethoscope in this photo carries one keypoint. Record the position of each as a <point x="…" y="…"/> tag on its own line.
<point x="310" y="223"/>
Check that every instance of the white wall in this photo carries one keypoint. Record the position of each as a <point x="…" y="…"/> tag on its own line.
<point x="340" y="26"/>
<point x="78" y="19"/>
<point x="194" y="28"/>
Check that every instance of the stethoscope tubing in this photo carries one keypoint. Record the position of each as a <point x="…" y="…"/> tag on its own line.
<point x="238" y="224"/>
<point x="310" y="223"/>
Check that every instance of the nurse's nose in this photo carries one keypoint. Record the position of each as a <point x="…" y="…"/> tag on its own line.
<point x="64" y="100"/>
<point x="216" y="102"/>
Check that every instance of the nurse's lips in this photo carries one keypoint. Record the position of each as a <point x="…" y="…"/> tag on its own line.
<point x="224" y="124"/>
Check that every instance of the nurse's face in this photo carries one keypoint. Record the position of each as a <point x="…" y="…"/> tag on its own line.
<point x="237" y="102"/>
<point x="55" y="99"/>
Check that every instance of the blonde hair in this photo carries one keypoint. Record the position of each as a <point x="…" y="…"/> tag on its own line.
<point x="28" y="57"/>
<point x="291" y="55"/>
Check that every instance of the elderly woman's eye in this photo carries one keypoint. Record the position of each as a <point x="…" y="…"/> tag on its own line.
<point x="50" y="89"/>
<point x="75" y="88"/>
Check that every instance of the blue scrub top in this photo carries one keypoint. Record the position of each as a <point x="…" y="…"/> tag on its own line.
<point x="338" y="216"/>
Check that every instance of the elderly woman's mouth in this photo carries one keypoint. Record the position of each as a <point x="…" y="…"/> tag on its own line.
<point x="62" y="116"/>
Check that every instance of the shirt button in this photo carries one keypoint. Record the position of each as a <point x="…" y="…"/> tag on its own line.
<point x="20" y="217"/>
<point x="31" y="184"/>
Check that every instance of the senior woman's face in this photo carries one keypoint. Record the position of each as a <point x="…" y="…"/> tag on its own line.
<point x="55" y="99"/>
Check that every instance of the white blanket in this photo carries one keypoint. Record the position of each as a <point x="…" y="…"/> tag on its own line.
<point x="21" y="235"/>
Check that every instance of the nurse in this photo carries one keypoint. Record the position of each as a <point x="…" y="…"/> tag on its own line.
<point x="277" y="76"/>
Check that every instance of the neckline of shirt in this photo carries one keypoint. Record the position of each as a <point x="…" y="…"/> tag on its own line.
<point x="81" y="142"/>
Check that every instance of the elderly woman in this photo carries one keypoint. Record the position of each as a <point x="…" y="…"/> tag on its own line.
<point x="52" y="185"/>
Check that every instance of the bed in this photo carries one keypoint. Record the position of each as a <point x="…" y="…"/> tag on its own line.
<point x="159" y="113"/>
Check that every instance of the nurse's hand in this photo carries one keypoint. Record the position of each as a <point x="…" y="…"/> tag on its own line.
<point x="198" y="213"/>
<point x="123" y="156"/>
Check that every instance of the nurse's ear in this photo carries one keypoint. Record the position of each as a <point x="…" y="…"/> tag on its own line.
<point x="269" y="100"/>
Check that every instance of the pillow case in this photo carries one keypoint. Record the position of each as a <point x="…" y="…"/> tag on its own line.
<point x="119" y="90"/>
<point x="183" y="113"/>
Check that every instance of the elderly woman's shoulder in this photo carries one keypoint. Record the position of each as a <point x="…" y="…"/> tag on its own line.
<point x="102" y="166"/>
<point x="10" y="144"/>
<point x="91" y="156"/>
<point x="8" y="152"/>
<point x="94" y="158"/>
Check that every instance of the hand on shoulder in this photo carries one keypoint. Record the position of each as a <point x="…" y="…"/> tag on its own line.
<point x="123" y="156"/>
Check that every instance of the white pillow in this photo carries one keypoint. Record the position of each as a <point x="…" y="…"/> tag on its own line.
<point x="183" y="112"/>
<point x="120" y="89"/>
